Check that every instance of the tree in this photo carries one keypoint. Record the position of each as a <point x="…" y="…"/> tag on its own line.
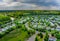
<point x="46" y="37"/>
<point x="41" y="35"/>
<point x="36" y="39"/>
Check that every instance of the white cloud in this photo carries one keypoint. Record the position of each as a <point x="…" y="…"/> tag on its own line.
<point x="48" y="1"/>
<point x="58" y="2"/>
<point x="15" y="4"/>
<point x="11" y="5"/>
<point x="8" y="1"/>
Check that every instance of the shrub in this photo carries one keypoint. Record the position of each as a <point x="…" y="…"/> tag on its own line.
<point x="14" y="27"/>
<point x="58" y="36"/>
<point x="7" y="31"/>
<point x="2" y="34"/>
<point x="30" y="32"/>
<point x="42" y="30"/>
<point x="49" y="30"/>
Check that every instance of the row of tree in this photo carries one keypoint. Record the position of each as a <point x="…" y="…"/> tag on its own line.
<point x="4" y="19"/>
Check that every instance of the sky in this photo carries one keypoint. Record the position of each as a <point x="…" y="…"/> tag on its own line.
<point x="29" y="4"/>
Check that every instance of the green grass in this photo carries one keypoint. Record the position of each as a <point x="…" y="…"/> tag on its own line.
<point x="20" y="37"/>
<point x="15" y="35"/>
<point x="58" y="39"/>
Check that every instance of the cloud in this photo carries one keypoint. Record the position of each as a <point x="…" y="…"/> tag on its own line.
<point x="8" y="1"/>
<point x="30" y="5"/>
<point x="16" y="6"/>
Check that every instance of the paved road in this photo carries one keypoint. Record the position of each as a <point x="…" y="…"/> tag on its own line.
<point x="32" y="38"/>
